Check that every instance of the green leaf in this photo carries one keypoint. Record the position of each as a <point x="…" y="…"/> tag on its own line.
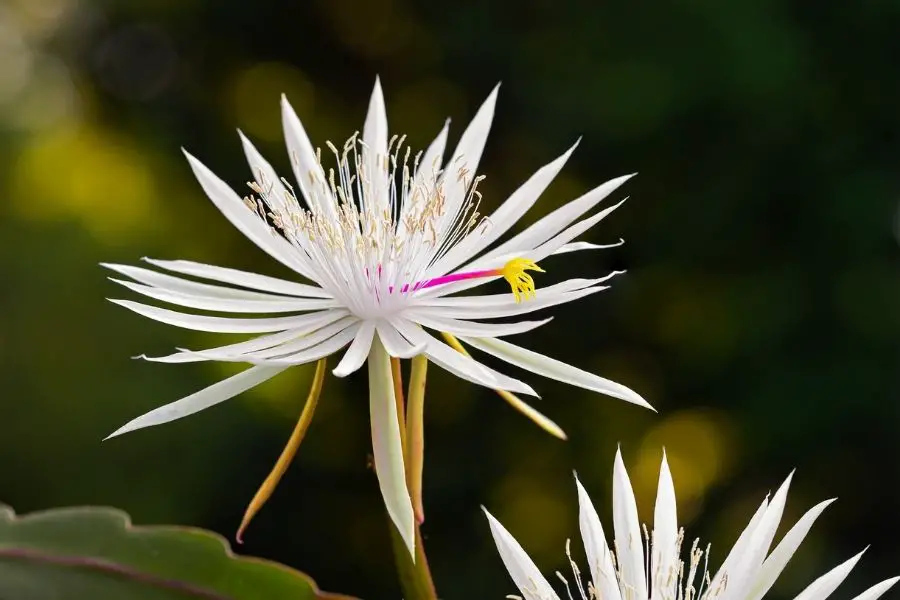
<point x="95" y="553"/>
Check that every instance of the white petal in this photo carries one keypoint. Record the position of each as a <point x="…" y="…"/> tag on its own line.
<point x="326" y="348"/>
<point x="778" y="559"/>
<point x="258" y="343"/>
<point x="329" y="327"/>
<point x="740" y="546"/>
<point x="553" y="223"/>
<point x="603" y="574"/>
<point x="234" y="209"/>
<point x="578" y="246"/>
<point x="396" y="345"/>
<point x="212" y="395"/>
<point x="457" y="327"/>
<point x="665" y="537"/>
<point x="822" y="587"/>
<point x="504" y="217"/>
<point x="629" y="545"/>
<point x="375" y="150"/>
<point x="493" y="300"/>
<point x="561" y="239"/>
<point x="744" y="571"/>
<point x="307" y="170"/>
<point x="386" y="447"/>
<point x="463" y="165"/>
<point x="241" y="278"/>
<point x="268" y="180"/>
<point x="430" y="164"/>
<point x="186" y="286"/>
<point x="462" y="366"/>
<point x="280" y="305"/>
<point x="554" y="369"/>
<point x="505" y="305"/>
<point x="521" y="568"/>
<point x="221" y="324"/>
<point x="874" y="592"/>
<point x="356" y="354"/>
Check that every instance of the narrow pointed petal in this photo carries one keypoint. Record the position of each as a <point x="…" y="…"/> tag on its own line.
<point x="375" y="150"/>
<point x="874" y="592"/>
<point x="241" y="278"/>
<point x="386" y="446"/>
<point x="430" y="165"/>
<point x="462" y="366"/>
<point x="471" y="328"/>
<point x="218" y="304"/>
<point x="663" y="570"/>
<point x="307" y="171"/>
<point x="396" y="345"/>
<point x="507" y="306"/>
<point x="462" y="167"/>
<point x="276" y="196"/>
<point x="550" y="225"/>
<point x="521" y="568"/>
<point x="326" y="348"/>
<point x="356" y="354"/>
<point x="504" y="217"/>
<point x="561" y="239"/>
<point x="778" y="559"/>
<point x="744" y="571"/>
<point x="290" y="451"/>
<point x="210" y="396"/>
<point x="222" y="324"/>
<point x="822" y="587"/>
<point x="234" y="209"/>
<point x="554" y="369"/>
<point x="629" y="544"/>
<point x="736" y="554"/>
<point x="603" y="573"/>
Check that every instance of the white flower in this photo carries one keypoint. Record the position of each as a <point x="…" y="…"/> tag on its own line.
<point x="382" y="242"/>
<point x="625" y="573"/>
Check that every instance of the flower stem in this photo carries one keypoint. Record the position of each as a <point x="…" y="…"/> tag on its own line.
<point x="415" y="577"/>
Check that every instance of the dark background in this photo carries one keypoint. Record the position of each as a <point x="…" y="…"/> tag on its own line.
<point x="760" y="313"/>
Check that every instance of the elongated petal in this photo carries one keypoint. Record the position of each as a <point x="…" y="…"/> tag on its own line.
<point x="504" y="217"/>
<point x="664" y="565"/>
<point x="375" y="150"/>
<point x="330" y="328"/>
<point x="396" y="345"/>
<point x="357" y="352"/>
<point x="430" y="164"/>
<point x="822" y="587"/>
<point x="386" y="446"/>
<point x="326" y="348"/>
<point x="550" y="225"/>
<point x="210" y="396"/>
<point x="874" y="592"/>
<point x="603" y="573"/>
<point x="554" y="369"/>
<point x="461" y="366"/>
<point x="220" y="324"/>
<point x="743" y="571"/>
<point x="507" y="307"/>
<point x="521" y="568"/>
<point x="558" y="241"/>
<point x="778" y="559"/>
<point x="494" y="300"/>
<point x="275" y="193"/>
<point x="629" y="543"/>
<point x="736" y="554"/>
<point x="186" y="286"/>
<point x="457" y="327"/>
<point x="463" y="165"/>
<point x="282" y="305"/>
<point x="234" y="209"/>
<point x="241" y="278"/>
<point x="307" y="171"/>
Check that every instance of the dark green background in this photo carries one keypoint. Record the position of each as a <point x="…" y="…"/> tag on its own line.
<point x="760" y="313"/>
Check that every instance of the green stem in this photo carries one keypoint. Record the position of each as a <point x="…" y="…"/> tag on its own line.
<point x="415" y="579"/>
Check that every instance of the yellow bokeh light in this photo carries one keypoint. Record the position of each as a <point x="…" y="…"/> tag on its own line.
<point x="254" y="93"/>
<point x="84" y="172"/>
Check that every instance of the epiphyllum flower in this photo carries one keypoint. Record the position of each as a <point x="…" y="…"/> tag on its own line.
<point x="384" y="242"/>
<point x="623" y="572"/>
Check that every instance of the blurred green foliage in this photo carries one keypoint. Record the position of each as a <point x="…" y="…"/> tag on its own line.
<point x="760" y="313"/>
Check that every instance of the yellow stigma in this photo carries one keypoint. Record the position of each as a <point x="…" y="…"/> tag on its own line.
<point x="521" y="282"/>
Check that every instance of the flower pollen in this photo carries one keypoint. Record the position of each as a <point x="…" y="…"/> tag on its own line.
<point x="522" y="284"/>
